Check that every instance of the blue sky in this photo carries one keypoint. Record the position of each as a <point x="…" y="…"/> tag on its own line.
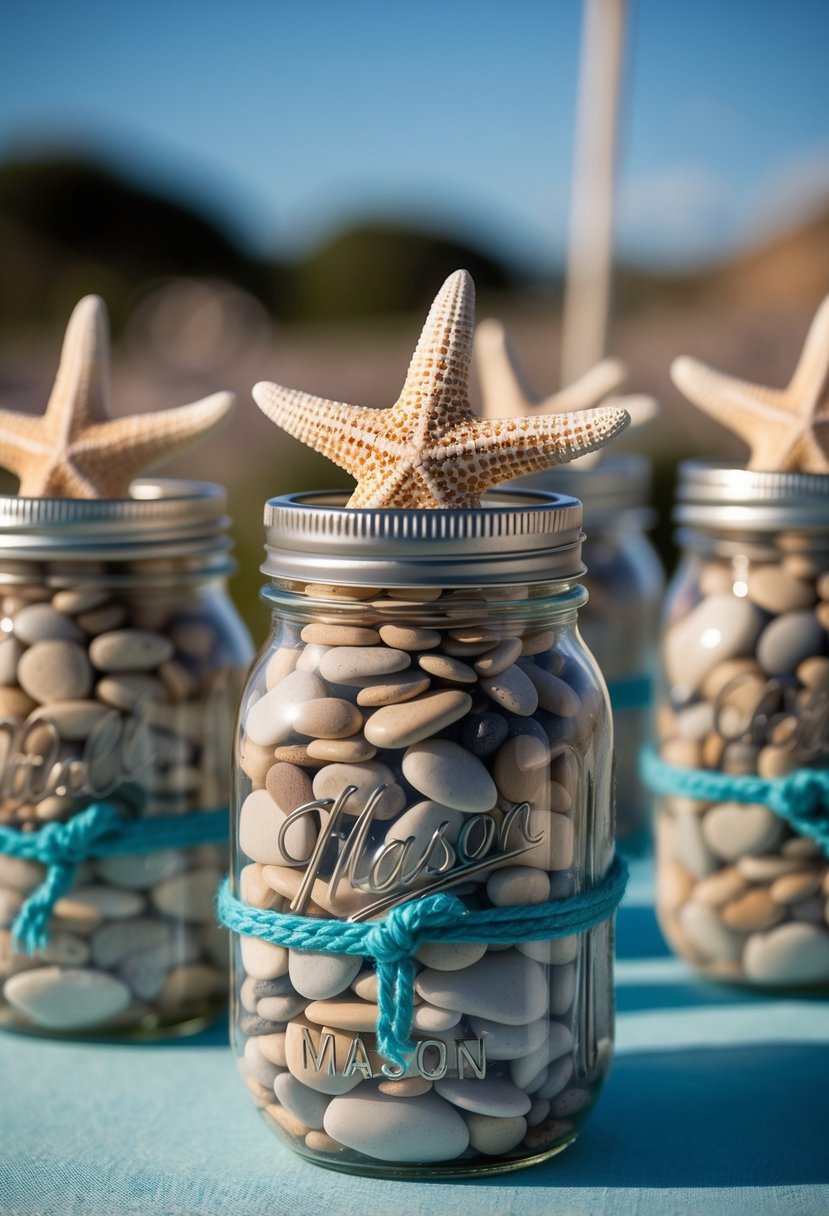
<point x="287" y="119"/>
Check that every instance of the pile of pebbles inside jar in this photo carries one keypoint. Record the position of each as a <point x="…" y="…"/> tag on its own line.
<point x="740" y="893"/>
<point x="459" y="723"/>
<point x="123" y="696"/>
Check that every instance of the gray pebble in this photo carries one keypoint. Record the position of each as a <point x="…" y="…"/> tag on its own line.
<point x="788" y="641"/>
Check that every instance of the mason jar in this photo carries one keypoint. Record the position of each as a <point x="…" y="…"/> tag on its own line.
<point x="121" y="659"/>
<point x="423" y="718"/>
<point x="745" y="655"/>
<point x="620" y="621"/>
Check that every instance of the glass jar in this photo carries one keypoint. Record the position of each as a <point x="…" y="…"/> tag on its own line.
<point x="746" y="693"/>
<point x="423" y="707"/>
<point x="121" y="659"/>
<point x="620" y="620"/>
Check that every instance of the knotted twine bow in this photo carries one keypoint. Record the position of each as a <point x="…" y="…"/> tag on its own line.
<point x="800" y="797"/>
<point x="392" y="942"/>
<point x="101" y="830"/>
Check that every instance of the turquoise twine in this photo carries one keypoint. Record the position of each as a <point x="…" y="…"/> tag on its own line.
<point x="391" y="942"/>
<point x="98" y="831"/>
<point x="632" y="692"/>
<point x="800" y="797"/>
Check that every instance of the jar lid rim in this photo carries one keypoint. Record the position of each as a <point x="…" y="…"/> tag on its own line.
<point x="715" y="494"/>
<point x="517" y="535"/>
<point x="160" y="514"/>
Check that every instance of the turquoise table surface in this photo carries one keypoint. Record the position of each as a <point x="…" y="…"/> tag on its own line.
<point x="718" y="1103"/>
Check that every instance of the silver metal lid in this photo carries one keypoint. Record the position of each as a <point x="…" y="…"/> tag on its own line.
<point x="716" y="496"/>
<point x="616" y="489"/>
<point x="167" y="517"/>
<point x="516" y="536"/>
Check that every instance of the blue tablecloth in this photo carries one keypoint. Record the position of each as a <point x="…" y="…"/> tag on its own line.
<point x="717" y="1103"/>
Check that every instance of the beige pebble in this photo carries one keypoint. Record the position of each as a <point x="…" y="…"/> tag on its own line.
<point x="343" y="902"/>
<point x="802" y="847"/>
<point x="554" y="1131"/>
<point x="674" y="885"/>
<point x="391" y="690"/>
<point x="518" y="885"/>
<point x="129" y="650"/>
<point x="263" y="960"/>
<point x="73" y="719"/>
<point x="288" y="1122"/>
<point x="710" y="937"/>
<point x="298" y="1031"/>
<point x="521" y="768"/>
<point x="341" y="751"/>
<point x="822" y="614"/>
<point x="79" y="599"/>
<point x="330" y="782"/>
<point x="791" y="888"/>
<point x="352" y="664"/>
<point x="344" y="1014"/>
<point x="311" y="657"/>
<point x="296" y="753"/>
<point x="734" y="830"/>
<point x="333" y="634"/>
<point x="327" y="718"/>
<point x="775" y="591"/>
<point x="14" y="703"/>
<point x="776" y="761"/>
<point x="406" y="1087"/>
<point x="288" y="786"/>
<point x="321" y="1142"/>
<point x="788" y="954"/>
<point x="684" y="752"/>
<point x="127" y="690"/>
<point x="713" y="750"/>
<point x="814" y="673"/>
<point x="466" y="650"/>
<point x="55" y="671"/>
<point x="101" y="620"/>
<point x="446" y="668"/>
<point x="408" y="637"/>
<point x="192" y="982"/>
<point x="176" y="680"/>
<point x="727" y="673"/>
<point x="188" y="896"/>
<point x="261" y="827"/>
<point x="717" y="578"/>
<point x="269" y="720"/>
<point x="255" y="761"/>
<point x="272" y="1047"/>
<point x="254" y="889"/>
<point x="84" y="908"/>
<point x="502" y="656"/>
<point x="720" y="888"/>
<point x="281" y="663"/>
<point x="767" y="869"/>
<point x="397" y="726"/>
<point x="193" y="638"/>
<point x="752" y="911"/>
<point x="514" y="690"/>
<point x="261" y="1094"/>
<point x="39" y="622"/>
<point x="538" y="642"/>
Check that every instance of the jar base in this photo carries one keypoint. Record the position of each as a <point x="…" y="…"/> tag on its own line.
<point x="436" y="1170"/>
<point x="151" y="1028"/>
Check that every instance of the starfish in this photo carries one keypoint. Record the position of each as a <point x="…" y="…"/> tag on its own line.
<point x="430" y="449"/>
<point x="786" y="429"/>
<point x="504" y="389"/>
<point x="75" y="450"/>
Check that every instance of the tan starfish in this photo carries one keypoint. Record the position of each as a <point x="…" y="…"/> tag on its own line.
<point x="430" y="449"/>
<point x="505" y="392"/>
<point x="786" y="429"/>
<point x="75" y="450"/>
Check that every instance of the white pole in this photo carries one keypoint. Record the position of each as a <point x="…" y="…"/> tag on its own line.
<point x="590" y="251"/>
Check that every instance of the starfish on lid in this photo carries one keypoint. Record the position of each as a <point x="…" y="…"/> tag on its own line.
<point x="75" y="450"/>
<point x="430" y="449"/>
<point x="505" y="393"/>
<point x="786" y="429"/>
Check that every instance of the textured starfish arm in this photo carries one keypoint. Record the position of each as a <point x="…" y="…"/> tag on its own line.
<point x="21" y="438"/>
<point x="551" y="438"/>
<point x="436" y="385"/>
<point x="810" y="382"/>
<point x="144" y="440"/>
<point x="726" y="398"/>
<point x="343" y="433"/>
<point x="83" y="372"/>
